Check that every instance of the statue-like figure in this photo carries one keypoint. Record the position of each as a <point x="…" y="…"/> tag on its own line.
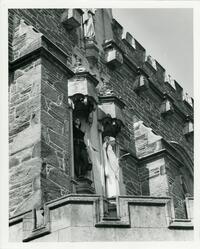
<point x="88" y="22"/>
<point x="111" y="167"/>
<point x="81" y="158"/>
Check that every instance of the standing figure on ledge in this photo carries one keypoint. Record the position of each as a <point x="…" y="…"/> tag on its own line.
<point x="88" y="22"/>
<point x="111" y="169"/>
<point x="81" y="158"/>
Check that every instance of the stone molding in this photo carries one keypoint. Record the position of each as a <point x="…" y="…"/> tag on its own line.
<point x="46" y="49"/>
<point x="123" y="219"/>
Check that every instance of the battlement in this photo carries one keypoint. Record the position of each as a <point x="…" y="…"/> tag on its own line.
<point x="137" y="53"/>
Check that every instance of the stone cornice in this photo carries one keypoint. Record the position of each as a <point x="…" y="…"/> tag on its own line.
<point x="106" y="99"/>
<point x="45" y="49"/>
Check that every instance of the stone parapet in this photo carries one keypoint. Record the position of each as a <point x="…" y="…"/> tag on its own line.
<point x="80" y="218"/>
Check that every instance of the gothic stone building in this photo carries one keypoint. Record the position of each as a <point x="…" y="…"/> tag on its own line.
<point x="100" y="136"/>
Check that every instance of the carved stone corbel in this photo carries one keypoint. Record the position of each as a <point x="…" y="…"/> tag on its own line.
<point x="110" y="115"/>
<point x="141" y="83"/>
<point x="166" y="106"/>
<point x="82" y="95"/>
<point x="83" y="106"/>
<point x="113" y="54"/>
<point x="111" y="126"/>
<point x="189" y="127"/>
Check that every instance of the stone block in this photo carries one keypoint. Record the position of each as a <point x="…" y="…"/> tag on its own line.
<point x="79" y="234"/>
<point x="82" y="215"/>
<point x="144" y="234"/>
<point x="13" y="161"/>
<point x="59" y="177"/>
<point x="84" y="84"/>
<point x="49" y="91"/>
<point x="58" y="112"/>
<point x="131" y="41"/>
<point x="58" y="140"/>
<point x="26" y="170"/>
<point x="71" y="18"/>
<point x="60" y="217"/>
<point x="25" y="82"/>
<point x="92" y="51"/>
<point x="114" y="58"/>
<point x="26" y="138"/>
<point x="64" y="235"/>
<point x="16" y="233"/>
<point x="149" y="216"/>
<point x="44" y="104"/>
<point x="51" y="191"/>
<point x="48" y="154"/>
<point x="51" y="122"/>
<point x="188" y="128"/>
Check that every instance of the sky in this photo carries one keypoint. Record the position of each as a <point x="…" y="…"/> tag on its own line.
<point x="167" y="35"/>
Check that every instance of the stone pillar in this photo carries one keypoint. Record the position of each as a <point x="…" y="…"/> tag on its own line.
<point x="39" y="121"/>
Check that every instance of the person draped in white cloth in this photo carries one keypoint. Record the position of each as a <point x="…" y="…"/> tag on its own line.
<point x="111" y="168"/>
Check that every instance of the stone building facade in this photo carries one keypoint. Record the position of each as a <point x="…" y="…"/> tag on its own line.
<point x="100" y="136"/>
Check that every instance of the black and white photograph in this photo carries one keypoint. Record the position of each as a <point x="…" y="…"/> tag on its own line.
<point x="100" y="124"/>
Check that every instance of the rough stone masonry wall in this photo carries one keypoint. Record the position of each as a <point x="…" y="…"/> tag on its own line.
<point x="39" y="125"/>
<point x="55" y="145"/>
<point x="47" y="21"/>
<point x="24" y="122"/>
<point x="176" y="189"/>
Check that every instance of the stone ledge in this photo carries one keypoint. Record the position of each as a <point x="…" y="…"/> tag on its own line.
<point x="72" y="198"/>
<point x="110" y="223"/>
<point x="45" y="49"/>
<point x="146" y="199"/>
<point x="37" y="233"/>
<point x="181" y="224"/>
<point x="16" y="219"/>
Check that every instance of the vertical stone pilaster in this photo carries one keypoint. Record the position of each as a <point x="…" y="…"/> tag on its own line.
<point x="39" y="122"/>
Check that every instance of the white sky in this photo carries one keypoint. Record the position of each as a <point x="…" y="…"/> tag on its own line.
<point x="167" y="35"/>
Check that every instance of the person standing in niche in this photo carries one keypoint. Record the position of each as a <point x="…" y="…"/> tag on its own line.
<point x="81" y="157"/>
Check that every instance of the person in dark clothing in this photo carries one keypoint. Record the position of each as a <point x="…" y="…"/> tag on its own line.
<point x="81" y="162"/>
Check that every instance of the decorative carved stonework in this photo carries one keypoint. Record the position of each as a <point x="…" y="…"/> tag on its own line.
<point x="189" y="127"/>
<point x="82" y="94"/>
<point x="88" y="23"/>
<point x="71" y="18"/>
<point x="111" y="126"/>
<point x="110" y="115"/>
<point x="82" y="105"/>
<point x="141" y="83"/>
<point x="167" y="106"/>
<point x="113" y="55"/>
<point x="92" y="51"/>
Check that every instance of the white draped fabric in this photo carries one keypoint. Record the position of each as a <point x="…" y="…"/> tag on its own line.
<point x="111" y="170"/>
